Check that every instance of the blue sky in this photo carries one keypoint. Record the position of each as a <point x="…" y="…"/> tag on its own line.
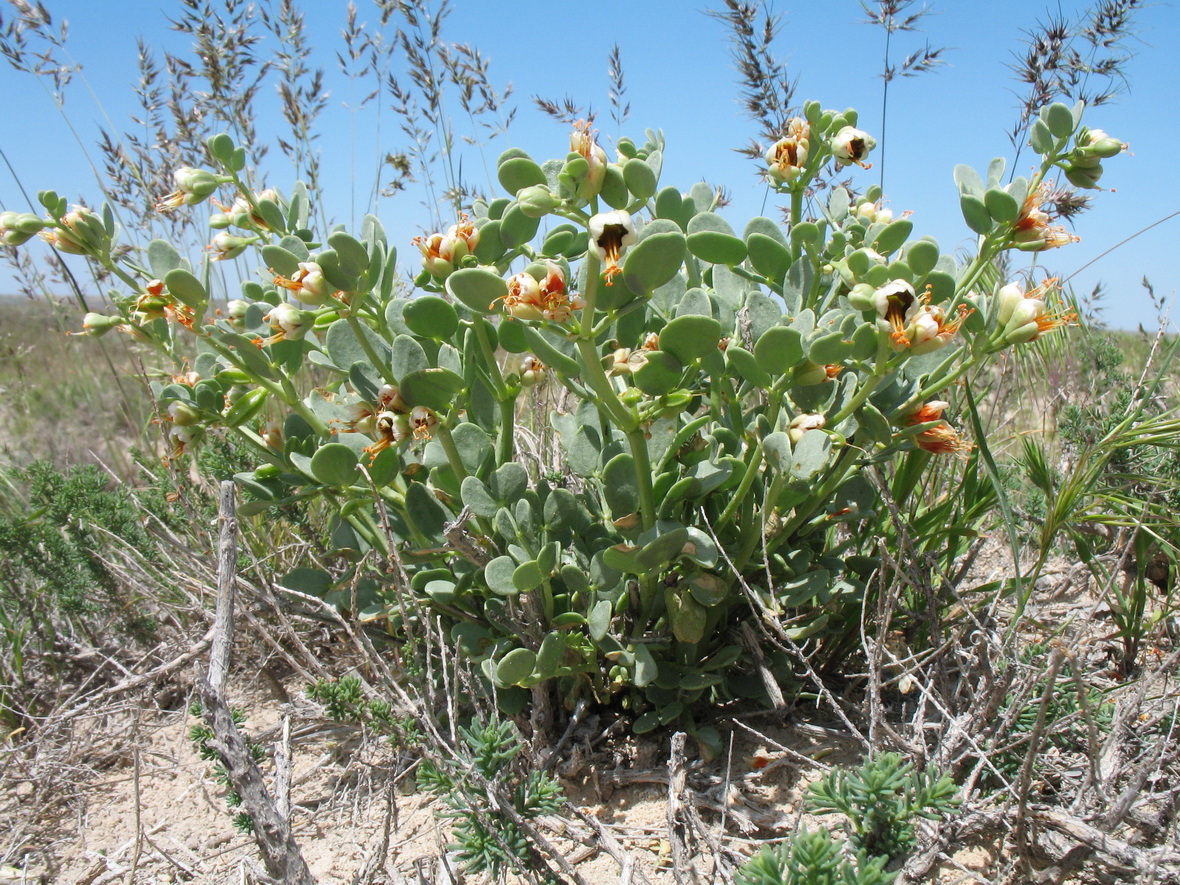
<point x="680" y="78"/>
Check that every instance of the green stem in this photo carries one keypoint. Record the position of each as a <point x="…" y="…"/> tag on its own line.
<point x="286" y="392"/>
<point x="753" y="457"/>
<point x="506" y="441"/>
<point x="380" y="365"/>
<point x="443" y="434"/>
<point x="623" y="417"/>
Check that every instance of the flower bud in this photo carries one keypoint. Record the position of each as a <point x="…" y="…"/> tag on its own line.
<point x="1007" y="298"/>
<point x="289" y="323"/>
<point x="81" y="232"/>
<point x="235" y="313"/>
<point x="809" y="373"/>
<point x="226" y="246"/>
<point x="537" y="201"/>
<point x="800" y="424"/>
<point x="17" y="228"/>
<point x="307" y="284"/>
<point x="96" y="324"/>
<point x="1082" y="175"/>
<point x="532" y="371"/>
<point x="585" y="167"/>
<point x="182" y="414"/>
<point x="193" y="186"/>
<point x="1099" y="144"/>
<point x="863" y="297"/>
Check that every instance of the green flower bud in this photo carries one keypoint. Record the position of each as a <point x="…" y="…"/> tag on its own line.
<point x="193" y="186"/>
<point x="226" y="246"/>
<point x="235" y="313"/>
<point x="96" y="324"/>
<point x="537" y="201"/>
<point x="1097" y="143"/>
<point x="17" y="228"/>
<point x="1080" y="175"/>
<point x="182" y="414"/>
<point x="809" y="373"/>
<point x="863" y="297"/>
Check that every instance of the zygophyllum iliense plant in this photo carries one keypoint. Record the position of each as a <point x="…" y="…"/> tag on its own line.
<point x="729" y="390"/>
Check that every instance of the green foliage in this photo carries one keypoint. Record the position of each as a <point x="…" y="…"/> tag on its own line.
<point x="728" y="392"/>
<point x="1110" y="484"/>
<point x="200" y="734"/>
<point x="1071" y="708"/>
<point x="880" y="800"/>
<point x="344" y="701"/>
<point x="485" y="840"/>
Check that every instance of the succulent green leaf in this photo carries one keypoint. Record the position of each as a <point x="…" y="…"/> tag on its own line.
<point x="830" y="349"/>
<point x="187" y="289"/>
<point x="805" y="588"/>
<point x="1001" y="205"/>
<point x="922" y="256"/>
<point x="515" y="173"/>
<point x="614" y="188"/>
<point x="689" y="338"/>
<point x="430" y="316"/>
<point x="716" y="248"/>
<point x="768" y="256"/>
<point x="686" y="616"/>
<point x="516" y="229"/>
<point x="516" y="667"/>
<point x="811" y="455"/>
<point x="600" y="617"/>
<point x="335" y="464"/>
<point x="312" y="581"/>
<point x="708" y="589"/>
<point x="434" y="388"/>
<point x="498" y="574"/>
<point x="476" y="496"/>
<point x="473" y="444"/>
<point x="550" y="654"/>
<point x="553" y="351"/>
<point x="893" y="236"/>
<point x="975" y="214"/>
<point x="779" y="349"/>
<point x="406" y="357"/>
<point x="671" y="206"/>
<point x="968" y="180"/>
<point x="509" y="482"/>
<point x="478" y="288"/>
<point x="653" y="261"/>
<point x="777" y="447"/>
<point x="426" y="513"/>
<point x="620" y="486"/>
<point x="659" y="374"/>
<point x="665" y="547"/>
<point x="743" y="365"/>
<point x="385" y="467"/>
<point x="1059" y="118"/>
<point x="162" y="258"/>
<point x="1040" y="137"/>
<point x="352" y="256"/>
<point x="640" y="178"/>
<point x="527" y="576"/>
<point x="345" y="349"/>
<point x="806" y="233"/>
<point x="646" y="668"/>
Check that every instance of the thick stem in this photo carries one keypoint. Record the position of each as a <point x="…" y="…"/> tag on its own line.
<point x="380" y="365"/>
